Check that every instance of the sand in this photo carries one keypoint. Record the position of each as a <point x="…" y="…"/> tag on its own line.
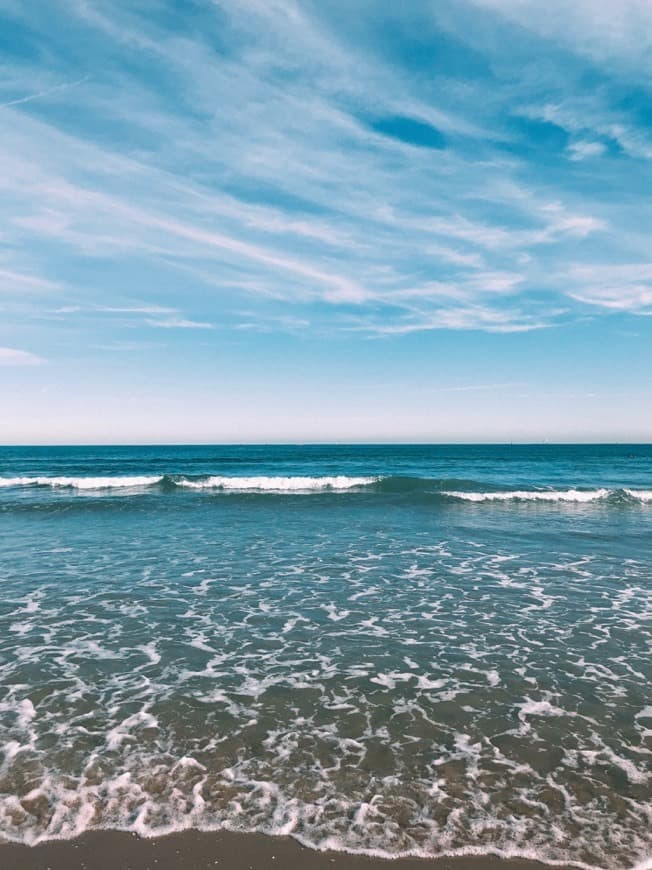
<point x="194" y="850"/>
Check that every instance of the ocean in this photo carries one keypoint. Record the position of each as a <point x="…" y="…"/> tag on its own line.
<point x="384" y="649"/>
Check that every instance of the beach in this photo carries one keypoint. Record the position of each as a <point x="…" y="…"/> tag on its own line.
<point x="106" y="850"/>
<point x="386" y="650"/>
<point x="326" y="435"/>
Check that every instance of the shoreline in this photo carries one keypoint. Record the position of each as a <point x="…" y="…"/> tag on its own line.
<point x="196" y="850"/>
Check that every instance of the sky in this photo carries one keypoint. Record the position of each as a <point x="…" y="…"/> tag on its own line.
<point x="325" y="220"/>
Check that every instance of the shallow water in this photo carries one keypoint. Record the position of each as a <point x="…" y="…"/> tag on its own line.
<point x="386" y="649"/>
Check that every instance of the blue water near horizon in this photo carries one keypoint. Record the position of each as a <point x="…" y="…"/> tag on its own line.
<point x="431" y="649"/>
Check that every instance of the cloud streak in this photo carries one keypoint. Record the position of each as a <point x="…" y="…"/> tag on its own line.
<point x="10" y="356"/>
<point x="42" y="94"/>
<point x="179" y="323"/>
<point x="277" y="153"/>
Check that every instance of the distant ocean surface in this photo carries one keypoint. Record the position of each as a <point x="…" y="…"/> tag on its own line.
<point x="384" y="649"/>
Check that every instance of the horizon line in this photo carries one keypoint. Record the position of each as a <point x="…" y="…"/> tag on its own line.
<point x="342" y="443"/>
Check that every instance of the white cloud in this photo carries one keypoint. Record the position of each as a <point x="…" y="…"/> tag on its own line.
<point x="9" y="356"/>
<point x="635" y="298"/>
<point x="474" y="317"/>
<point x="614" y="31"/>
<point x="587" y="116"/>
<point x="11" y="281"/>
<point x="583" y="150"/>
<point x="41" y="94"/>
<point x="472" y="388"/>
<point x="316" y="209"/>
<point x="179" y="323"/>
<point x="136" y="309"/>
<point x="617" y="287"/>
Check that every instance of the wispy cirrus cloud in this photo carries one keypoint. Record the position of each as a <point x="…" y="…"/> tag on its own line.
<point x="17" y="282"/>
<point x="308" y="165"/>
<point x="462" y="317"/>
<point x="584" y="150"/>
<point x="590" y="116"/>
<point x="624" y="287"/>
<point x="10" y="356"/>
<point x="134" y="309"/>
<point x="618" y="34"/>
<point x="478" y="388"/>
<point x="42" y="94"/>
<point x="266" y="184"/>
<point x="179" y="323"/>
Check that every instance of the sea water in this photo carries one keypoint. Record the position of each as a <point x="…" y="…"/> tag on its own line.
<point x="384" y="649"/>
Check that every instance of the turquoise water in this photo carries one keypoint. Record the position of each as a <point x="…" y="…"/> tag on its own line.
<point x="384" y="649"/>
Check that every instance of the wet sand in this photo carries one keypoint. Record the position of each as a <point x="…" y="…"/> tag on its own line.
<point x="194" y="850"/>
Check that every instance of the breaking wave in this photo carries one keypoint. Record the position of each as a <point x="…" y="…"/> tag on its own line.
<point x="118" y="482"/>
<point x="438" y="489"/>
<point x="557" y="495"/>
<point x="278" y="484"/>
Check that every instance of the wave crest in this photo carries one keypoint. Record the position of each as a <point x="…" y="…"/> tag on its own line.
<point x="579" y="496"/>
<point x="572" y="495"/>
<point x="84" y="482"/>
<point x="278" y="484"/>
<point x="418" y="487"/>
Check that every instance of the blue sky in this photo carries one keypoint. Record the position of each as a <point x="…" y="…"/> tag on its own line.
<point x="268" y="220"/>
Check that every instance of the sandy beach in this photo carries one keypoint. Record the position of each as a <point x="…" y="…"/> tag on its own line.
<point x="194" y="850"/>
<point x="391" y="649"/>
<point x="325" y="435"/>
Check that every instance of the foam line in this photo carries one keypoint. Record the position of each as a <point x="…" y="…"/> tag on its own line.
<point x="570" y="495"/>
<point x="279" y="484"/>
<point x="83" y="482"/>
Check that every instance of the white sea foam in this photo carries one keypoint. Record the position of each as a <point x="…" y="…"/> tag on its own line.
<point x="278" y="484"/>
<point x="83" y="482"/>
<point x="640" y="494"/>
<point x="539" y="708"/>
<point x="632" y="772"/>
<point x="571" y="495"/>
<point x="307" y="484"/>
<point x="202" y="715"/>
